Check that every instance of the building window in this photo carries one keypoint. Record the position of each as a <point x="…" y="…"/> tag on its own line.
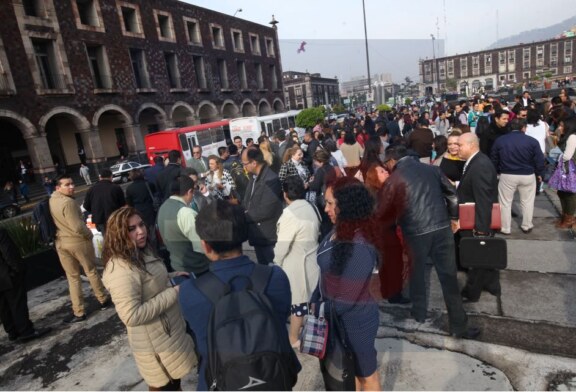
<point x="241" y="68"/>
<point x="526" y="58"/>
<point x="139" y="68"/>
<point x="34" y="8"/>
<point x="270" y="52"/>
<point x="164" y="26"/>
<point x="488" y="83"/>
<point x="554" y="71"/>
<point x="200" y="72"/>
<point x="463" y="67"/>
<point x="475" y="65"/>
<point x="255" y="44"/>
<point x="502" y="78"/>
<point x="217" y="36"/>
<point x="259" y="77"/>
<point x="511" y="57"/>
<point x="87" y="12"/>
<point x="488" y="63"/>
<point x="131" y="21"/>
<point x="237" y="41"/>
<point x="223" y="73"/>
<point x="540" y="56"/>
<point x="98" y="63"/>
<point x="273" y="77"/>
<point x="502" y="58"/>
<point x="442" y="70"/>
<point x="567" y="52"/>
<point x="554" y="54"/>
<point x="526" y="75"/>
<point x="511" y="77"/>
<point x="568" y="69"/>
<point x="427" y="72"/>
<point x="172" y="70"/>
<point x="193" y="31"/>
<point x="48" y="66"/>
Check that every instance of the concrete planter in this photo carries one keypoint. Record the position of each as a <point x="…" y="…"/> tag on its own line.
<point x="42" y="268"/>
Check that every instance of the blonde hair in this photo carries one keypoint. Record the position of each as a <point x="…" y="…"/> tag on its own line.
<point x="218" y="164"/>
<point x="266" y="153"/>
<point x="290" y="152"/>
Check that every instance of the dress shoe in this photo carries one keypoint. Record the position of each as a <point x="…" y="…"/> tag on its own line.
<point x="470" y="333"/>
<point x="37" y="333"/>
<point x="526" y="231"/>
<point x="75" y="319"/>
<point x="106" y="304"/>
<point x="503" y="233"/>
<point x="399" y="299"/>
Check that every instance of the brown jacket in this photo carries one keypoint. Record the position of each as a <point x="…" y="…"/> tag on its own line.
<point x="68" y="219"/>
<point x="148" y="306"/>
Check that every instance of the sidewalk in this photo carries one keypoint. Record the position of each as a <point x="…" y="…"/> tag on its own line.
<point x="529" y="345"/>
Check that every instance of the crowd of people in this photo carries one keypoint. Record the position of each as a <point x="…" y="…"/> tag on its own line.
<point x="375" y="193"/>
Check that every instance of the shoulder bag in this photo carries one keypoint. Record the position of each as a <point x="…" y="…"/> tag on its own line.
<point x="564" y="177"/>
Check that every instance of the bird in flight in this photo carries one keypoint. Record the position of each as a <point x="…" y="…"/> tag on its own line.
<point x="301" y="48"/>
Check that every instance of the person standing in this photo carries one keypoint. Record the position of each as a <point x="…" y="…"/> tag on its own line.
<point x="147" y="302"/>
<point x="517" y="158"/>
<point x="82" y="155"/>
<point x="424" y="202"/>
<point x="199" y="162"/>
<point x="262" y="203"/>
<point x="171" y="172"/>
<point x="567" y="143"/>
<point x="103" y="199"/>
<point x="85" y="174"/>
<point x="74" y="247"/>
<point x="13" y="298"/>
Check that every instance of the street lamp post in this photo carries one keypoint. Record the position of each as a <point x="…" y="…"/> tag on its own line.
<point x="435" y="64"/>
<point x="366" y="42"/>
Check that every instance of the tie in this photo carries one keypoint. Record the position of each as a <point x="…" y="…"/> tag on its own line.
<point x="203" y="164"/>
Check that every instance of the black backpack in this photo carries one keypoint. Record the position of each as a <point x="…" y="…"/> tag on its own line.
<point x="482" y="125"/>
<point x="45" y="222"/>
<point x="245" y="348"/>
<point x="240" y="178"/>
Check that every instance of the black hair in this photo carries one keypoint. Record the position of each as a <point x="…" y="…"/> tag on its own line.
<point x="60" y="177"/>
<point x="281" y="135"/>
<point x="105" y="173"/>
<point x="518" y="124"/>
<point x="499" y="112"/>
<point x="533" y="117"/>
<point x="158" y="160"/>
<point x="221" y="150"/>
<point x="233" y="149"/>
<point x="396" y="152"/>
<point x="349" y="138"/>
<point x="293" y="186"/>
<point x="222" y="225"/>
<point x="237" y="137"/>
<point x="262" y="139"/>
<point x="173" y="156"/>
<point x="249" y="140"/>
<point x="181" y="185"/>
<point x="440" y="145"/>
<point x="255" y="154"/>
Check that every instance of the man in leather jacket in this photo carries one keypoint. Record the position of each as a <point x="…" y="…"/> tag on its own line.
<point x="424" y="203"/>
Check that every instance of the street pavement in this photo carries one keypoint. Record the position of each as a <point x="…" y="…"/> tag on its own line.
<point x="528" y="340"/>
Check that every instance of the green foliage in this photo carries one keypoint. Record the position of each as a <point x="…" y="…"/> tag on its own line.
<point x="25" y="234"/>
<point x="451" y="84"/>
<point x="383" y="108"/>
<point x="307" y="118"/>
<point x="407" y="101"/>
<point x="338" y="108"/>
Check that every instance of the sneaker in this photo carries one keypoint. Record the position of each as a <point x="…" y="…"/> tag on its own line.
<point x="75" y="319"/>
<point x="106" y="304"/>
<point x="37" y="333"/>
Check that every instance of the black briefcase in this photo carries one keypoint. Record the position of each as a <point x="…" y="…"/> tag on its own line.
<point x="483" y="252"/>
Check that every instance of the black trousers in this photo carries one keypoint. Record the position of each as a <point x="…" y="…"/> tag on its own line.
<point x="14" y="308"/>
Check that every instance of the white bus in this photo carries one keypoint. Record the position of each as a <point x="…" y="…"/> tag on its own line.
<point x="253" y="127"/>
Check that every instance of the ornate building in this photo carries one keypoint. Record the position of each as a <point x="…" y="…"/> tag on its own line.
<point x="100" y="74"/>
<point x="304" y="90"/>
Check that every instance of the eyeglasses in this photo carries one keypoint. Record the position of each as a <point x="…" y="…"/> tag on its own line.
<point x="196" y="152"/>
<point x="246" y="163"/>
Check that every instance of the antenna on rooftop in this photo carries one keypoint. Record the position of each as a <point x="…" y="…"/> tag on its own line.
<point x="497" y="28"/>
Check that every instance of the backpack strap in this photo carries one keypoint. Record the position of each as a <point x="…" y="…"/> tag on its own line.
<point x="212" y="287"/>
<point x="260" y="277"/>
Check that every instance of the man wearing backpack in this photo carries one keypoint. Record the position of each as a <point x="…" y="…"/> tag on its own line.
<point x="74" y="246"/>
<point x="233" y="289"/>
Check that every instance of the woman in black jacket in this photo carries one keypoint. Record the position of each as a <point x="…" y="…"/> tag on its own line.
<point x="139" y="195"/>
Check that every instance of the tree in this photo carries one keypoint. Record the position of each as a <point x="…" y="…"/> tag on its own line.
<point x="307" y="118"/>
<point x="451" y="85"/>
<point x="338" y="108"/>
<point x="407" y="101"/>
<point x="383" y="108"/>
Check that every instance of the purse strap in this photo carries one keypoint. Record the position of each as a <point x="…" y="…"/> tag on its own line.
<point x="149" y="191"/>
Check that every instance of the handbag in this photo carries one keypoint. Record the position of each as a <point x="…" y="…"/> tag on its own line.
<point x="338" y="366"/>
<point x="315" y="334"/>
<point x="155" y="200"/>
<point x="564" y="177"/>
<point x="467" y="212"/>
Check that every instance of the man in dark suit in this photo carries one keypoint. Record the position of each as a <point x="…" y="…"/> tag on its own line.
<point x="262" y="203"/>
<point x="479" y="185"/>
<point x="103" y="199"/>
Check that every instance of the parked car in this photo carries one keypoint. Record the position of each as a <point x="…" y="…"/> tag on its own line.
<point x="121" y="171"/>
<point x="8" y="208"/>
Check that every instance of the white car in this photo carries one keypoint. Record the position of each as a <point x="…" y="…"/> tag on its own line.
<point x="121" y="171"/>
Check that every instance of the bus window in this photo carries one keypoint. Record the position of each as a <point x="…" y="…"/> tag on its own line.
<point x="263" y="126"/>
<point x="217" y="134"/>
<point x="184" y="142"/>
<point x="204" y="137"/>
<point x="270" y="131"/>
<point x="284" y="123"/>
<point x="192" y="140"/>
<point x="291" y="122"/>
<point x="276" y="124"/>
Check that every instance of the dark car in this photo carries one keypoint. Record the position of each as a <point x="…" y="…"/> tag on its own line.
<point x="8" y="208"/>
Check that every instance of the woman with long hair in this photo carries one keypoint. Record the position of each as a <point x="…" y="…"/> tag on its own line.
<point x="146" y="302"/>
<point x="219" y="181"/>
<point x="352" y="151"/>
<point x="347" y="257"/>
<point x="293" y="165"/>
<point x="373" y="148"/>
<point x="449" y="162"/>
<point x="567" y="143"/>
<point x="271" y="159"/>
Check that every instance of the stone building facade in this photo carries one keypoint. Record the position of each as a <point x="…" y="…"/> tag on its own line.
<point x="490" y="69"/>
<point x="100" y="74"/>
<point x="304" y="90"/>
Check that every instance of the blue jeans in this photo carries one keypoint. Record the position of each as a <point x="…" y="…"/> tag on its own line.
<point x="437" y="247"/>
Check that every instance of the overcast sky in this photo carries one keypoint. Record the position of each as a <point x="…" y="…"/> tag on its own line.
<point x="466" y="26"/>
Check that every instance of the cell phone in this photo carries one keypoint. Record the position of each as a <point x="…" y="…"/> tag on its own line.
<point x="177" y="280"/>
